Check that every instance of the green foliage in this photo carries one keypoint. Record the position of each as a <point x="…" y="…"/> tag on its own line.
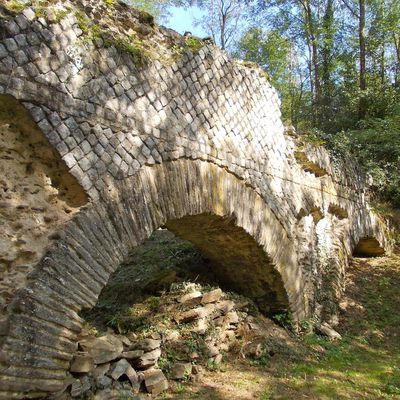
<point x="271" y="51"/>
<point x="375" y="146"/>
<point x="83" y="21"/>
<point x="285" y="320"/>
<point x="16" y="6"/>
<point x="61" y="14"/>
<point x="194" y="44"/>
<point x="152" y="9"/>
<point x="131" y="45"/>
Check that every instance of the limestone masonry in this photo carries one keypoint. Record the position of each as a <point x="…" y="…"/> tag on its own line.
<point x="157" y="130"/>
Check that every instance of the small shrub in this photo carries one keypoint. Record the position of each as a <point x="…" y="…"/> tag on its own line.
<point x="194" y="44"/>
<point x="16" y="6"/>
<point x="83" y="21"/>
<point x="285" y="320"/>
<point x="131" y="45"/>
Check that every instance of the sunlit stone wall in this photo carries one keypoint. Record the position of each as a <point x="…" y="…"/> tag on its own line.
<point x="156" y="130"/>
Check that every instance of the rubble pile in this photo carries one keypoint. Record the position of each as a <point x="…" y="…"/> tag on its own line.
<point x="176" y="336"/>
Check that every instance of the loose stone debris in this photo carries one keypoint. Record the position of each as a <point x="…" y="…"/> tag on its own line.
<point x="189" y="328"/>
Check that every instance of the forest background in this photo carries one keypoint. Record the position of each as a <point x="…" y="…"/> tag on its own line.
<point x="335" y="64"/>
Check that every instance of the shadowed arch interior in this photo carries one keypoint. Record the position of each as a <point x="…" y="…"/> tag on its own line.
<point x="368" y="247"/>
<point x="238" y="263"/>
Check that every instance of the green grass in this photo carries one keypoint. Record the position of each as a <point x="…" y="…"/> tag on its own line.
<point x="162" y="260"/>
<point x="366" y="363"/>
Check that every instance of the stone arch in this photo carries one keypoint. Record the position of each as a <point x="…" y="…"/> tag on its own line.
<point x="44" y="318"/>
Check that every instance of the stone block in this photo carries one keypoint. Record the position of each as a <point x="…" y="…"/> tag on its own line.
<point x="155" y="381"/>
<point x="180" y="370"/>
<point x="102" y="349"/>
<point x="82" y="363"/>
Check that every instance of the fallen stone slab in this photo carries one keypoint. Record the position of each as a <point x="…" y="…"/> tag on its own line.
<point x="191" y="315"/>
<point x="211" y="297"/>
<point x="155" y="381"/>
<point x="148" y="360"/>
<point x="328" y="331"/>
<point x="189" y="297"/>
<point x="132" y="354"/>
<point x="82" y="363"/>
<point x="180" y="370"/>
<point x="146" y="345"/>
<point x="225" y="306"/>
<point x="122" y="367"/>
<point x="103" y="349"/>
<point x="101" y="370"/>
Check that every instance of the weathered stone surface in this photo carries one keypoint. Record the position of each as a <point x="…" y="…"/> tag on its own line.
<point x="180" y="370"/>
<point x="122" y="367"/>
<point x="148" y="360"/>
<point x="189" y="297"/>
<point x="155" y="381"/>
<point x="132" y="354"/>
<point x="192" y="314"/>
<point x="212" y="296"/>
<point x="103" y="382"/>
<point x="147" y="345"/>
<point x="101" y="370"/>
<point x="102" y="349"/>
<point x="82" y="363"/>
<point x="328" y="331"/>
<point x="80" y="386"/>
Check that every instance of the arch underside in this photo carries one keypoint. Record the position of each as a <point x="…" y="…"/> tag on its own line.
<point x="197" y="200"/>
<point x="238" y="263"/>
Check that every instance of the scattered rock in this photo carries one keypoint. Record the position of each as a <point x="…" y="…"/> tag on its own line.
<point x="147" y="345"/>
<point x="181" y="370"/>
<point x="212" y="350"/>
<point x="122" y="367"/>
<point x="103" y="382"/>
<point x="218" y="359"/>
<point x="155" y="381"/>
<point x="148" y="360"/>
<point x="82" y="363"/>
<point x="211" y="297"/>
<point x="131" y="336"/>
<point x="225" y="306"/>
<point x="197" y="369"/>
<point x="201" y="327"/>
<point x="102" y="349"/>
<point x="101" y="370"/>
<point x="132" y="354"/>
<point x="172" y="336"/>
<point x="80" y="386"/>
<point x="328" y="331"/>
<point x="191" y="315"/>
<point x="189" y="297"/>
<point x="232" y="318"/>
<point x="155" y="336"/>
<point x="125" y="341"/>
<point x="217" y="320"/>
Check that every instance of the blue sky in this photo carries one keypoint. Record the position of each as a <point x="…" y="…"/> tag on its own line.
<point x="183" y="20"/>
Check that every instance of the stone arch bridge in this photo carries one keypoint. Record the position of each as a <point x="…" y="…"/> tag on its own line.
<point x="161" y="132"/>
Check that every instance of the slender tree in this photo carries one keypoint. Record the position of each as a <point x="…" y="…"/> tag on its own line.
<point x="221" y="20"/>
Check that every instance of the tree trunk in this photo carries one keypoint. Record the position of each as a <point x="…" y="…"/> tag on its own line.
<point x="326" y="55"/>
<point x="396" y="41"/>
<point x="362" y="108"/>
